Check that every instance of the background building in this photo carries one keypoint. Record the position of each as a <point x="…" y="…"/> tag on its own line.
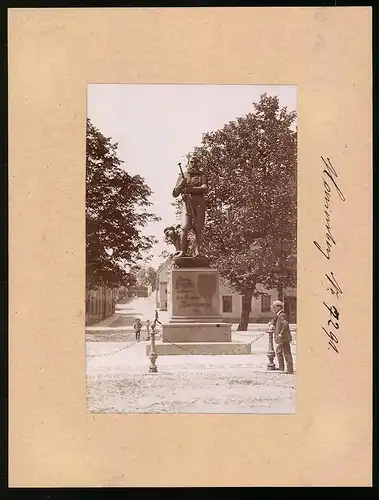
<point x="138" y="291"/>
<point x="161" y="289"/>
<point x="231" y="304"/>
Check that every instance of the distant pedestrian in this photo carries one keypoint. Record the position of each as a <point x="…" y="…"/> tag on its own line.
<point x="153" y="326"/>
<point x="282" y="337"/>
<point x="137" y="328"/>
<point x="156" y="320"/>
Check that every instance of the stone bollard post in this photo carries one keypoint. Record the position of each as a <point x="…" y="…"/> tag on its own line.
<point x="153" y="354"/>
<point x="270" y="352"/>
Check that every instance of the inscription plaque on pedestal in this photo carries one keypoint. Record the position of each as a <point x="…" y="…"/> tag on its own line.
<point x="195" y="307"/>
<point x="195" y="293"/>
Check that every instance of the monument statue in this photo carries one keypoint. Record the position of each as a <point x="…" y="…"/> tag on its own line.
<point x="191" y="186"/>
<point x="172" y="235"/>
<point x="194" y="300"/>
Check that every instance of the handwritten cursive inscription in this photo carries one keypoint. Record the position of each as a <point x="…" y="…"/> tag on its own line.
<point x="329" y="179"/>
<point x="334" y="287"/>
<point x="334" y="314"/>
<point x="328" y="173"/>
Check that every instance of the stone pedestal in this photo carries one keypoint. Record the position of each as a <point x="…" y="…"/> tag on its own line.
<point x="195" y="307"/>
<point x="196" y="325"/>
<point x="196" y="332"/>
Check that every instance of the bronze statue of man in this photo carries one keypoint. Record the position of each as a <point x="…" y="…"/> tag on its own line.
<point x="192" y="186"/>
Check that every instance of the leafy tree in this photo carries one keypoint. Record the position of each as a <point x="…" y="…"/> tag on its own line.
<point x="147" y="276"/>
<point x="250" y="233"/>
<point x="116" y="212"/>
<point x="165" y="254"/>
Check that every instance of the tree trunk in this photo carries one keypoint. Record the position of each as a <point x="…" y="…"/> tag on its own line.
<point x="246" y="308"/>
<point x="280" y="287"/>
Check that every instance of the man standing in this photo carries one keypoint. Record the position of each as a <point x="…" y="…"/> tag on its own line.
<point x="282" y="337"/>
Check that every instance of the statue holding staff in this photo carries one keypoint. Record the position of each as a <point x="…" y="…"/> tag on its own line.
<point x="192" y="186"/>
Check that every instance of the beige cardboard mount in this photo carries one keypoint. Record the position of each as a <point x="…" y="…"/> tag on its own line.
<point x="53" y="54"/>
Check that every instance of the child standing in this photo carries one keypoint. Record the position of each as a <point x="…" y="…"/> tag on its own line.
<point x="137" y="328"/>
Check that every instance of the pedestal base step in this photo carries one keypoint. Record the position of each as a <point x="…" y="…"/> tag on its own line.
<point x="197" y="332"/>
<point x="200" y="348"/>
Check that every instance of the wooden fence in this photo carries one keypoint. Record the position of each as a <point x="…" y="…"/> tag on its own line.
<point x="100" y="304"/>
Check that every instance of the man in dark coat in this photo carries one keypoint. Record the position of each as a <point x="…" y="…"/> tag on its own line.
<point x="282" y="337"/>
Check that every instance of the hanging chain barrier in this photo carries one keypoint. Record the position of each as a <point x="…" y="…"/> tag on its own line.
<point x="157" y="332"/>
<point x="165" y="339"/>
<point x="100" y="355"/>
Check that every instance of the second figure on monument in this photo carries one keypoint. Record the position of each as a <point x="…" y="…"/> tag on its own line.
<point x="192" y="186"/>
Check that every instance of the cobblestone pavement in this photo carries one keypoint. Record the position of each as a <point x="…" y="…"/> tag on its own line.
<point x="239" y="390"/>
<point x="110" y="336"/>
<point x="122" y="383"/>
<point x="118" y="378"/>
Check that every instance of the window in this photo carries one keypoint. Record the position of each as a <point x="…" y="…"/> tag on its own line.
<point x="227" y="304"/>
<point x="265" y="303"/>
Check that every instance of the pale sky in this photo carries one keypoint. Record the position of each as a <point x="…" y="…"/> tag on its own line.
<point x="157" y="125"/>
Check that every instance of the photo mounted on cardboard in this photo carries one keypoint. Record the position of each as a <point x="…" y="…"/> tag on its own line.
<point x="191" y="238"/>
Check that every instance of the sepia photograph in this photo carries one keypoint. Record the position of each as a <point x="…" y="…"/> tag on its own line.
<point x="191" y="249"/>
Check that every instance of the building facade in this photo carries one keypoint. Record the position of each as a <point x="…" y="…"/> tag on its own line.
<point x="161" y="287"/>
<point x="231" y="301"/>
<point x="138" y="291"/>
<point x="231" y="304"/>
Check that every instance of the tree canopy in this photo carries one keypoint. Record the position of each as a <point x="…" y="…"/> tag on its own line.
<point x="116" y="212"/>
<point x="250" y="232"/>
<point x="147" y="276"/>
